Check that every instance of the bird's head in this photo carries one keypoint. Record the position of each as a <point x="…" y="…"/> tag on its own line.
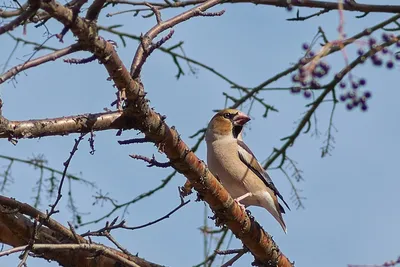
<point x="228" y="122"/>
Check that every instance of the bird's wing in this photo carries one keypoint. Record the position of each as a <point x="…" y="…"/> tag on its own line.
<point x="248" y="158"/>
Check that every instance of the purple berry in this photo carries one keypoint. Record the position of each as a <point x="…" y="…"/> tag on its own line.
<point x="371" y="42"/>
<point x="354" y="85"/>
<point x="385" y="37"/>
<point x="311" y="54"/>
<point x="349" y="106"/>
<point x="307" y="94"/>
<point x="397" y="56"/>
<point x="343" y="98"/>
<point x="367" y="94"/>
<point x="305" y="46"/>
<point x="385" y="50"/>
<point x="360" y="52"/>
<point x="342" y="85"/>
<point x="377" y="61"/>
<point x="389" y="64"/>
<point x="364" y="107"/>
<point x="351" y="95"/>
<point x="295" y="78"/>
<point x="398" y="43"/>
<point x="362" y="82"/>
<point x="325" y="67"/>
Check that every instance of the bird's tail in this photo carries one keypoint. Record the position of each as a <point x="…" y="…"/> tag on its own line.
<point x="276" y="211"/>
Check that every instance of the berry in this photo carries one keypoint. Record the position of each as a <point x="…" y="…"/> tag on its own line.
<point x="305" y="46"/>
<point x="398" y="43"/>
<point x="389" y="64"/>
<point x="371" y="42"/>
<point x="342" y="85"/>
<point x="349" y="106"/>
<point x="397" y="56"/>
<point x="343" y="98"/>
<point x="354" y="85"/>
<point x="376" y="61"/>
<point x="360" y="52"/>
<point x="307" y="94"/>
<point x="362" y="82"/>
<point x="367" y="94"/>
<point x="311" y="54"/>
<point x="385" y="37"/>
<point x="385" y="50"/>
<point x="364" y="107"/>
<point x="351" y="95"/>
<point x="324" y="66"/>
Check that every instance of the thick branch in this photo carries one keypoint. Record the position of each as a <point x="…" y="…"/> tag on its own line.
<point x="64" y="125"/>
<point x="16" y="230"/>
<point x="94" y="9"/>
<point x="278" y="3"/>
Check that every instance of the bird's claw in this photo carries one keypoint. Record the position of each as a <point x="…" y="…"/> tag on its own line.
<point x="242" y="207"/>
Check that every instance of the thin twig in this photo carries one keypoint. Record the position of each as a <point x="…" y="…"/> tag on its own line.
<point x="66" y="165"/>
<point x="183" y="203"/>
<point x="38" y="61"/>
<point x="152" y="162"/>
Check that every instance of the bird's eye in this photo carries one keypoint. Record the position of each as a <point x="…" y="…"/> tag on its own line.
<point x="227" y="115"/>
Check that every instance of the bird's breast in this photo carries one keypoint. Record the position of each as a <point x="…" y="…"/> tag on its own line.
<point x="223" y="161"/>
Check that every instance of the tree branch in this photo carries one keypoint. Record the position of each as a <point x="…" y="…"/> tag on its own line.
<point x="162" y="26"/>
<point x="155" y="129"/>
<point x="17" y="230"/>
<point x="38" y="61"/>
<point x="33" y="6"/>
<point x="278" y="3"/>
<point x="328" y="88"/>
<point x="94" y="9"/>
<point x="64" y="125"/>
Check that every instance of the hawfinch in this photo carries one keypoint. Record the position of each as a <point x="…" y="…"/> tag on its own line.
<point x="233" y="163"/>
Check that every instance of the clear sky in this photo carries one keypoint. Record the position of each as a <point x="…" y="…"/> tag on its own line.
<point x="351" y="206"/>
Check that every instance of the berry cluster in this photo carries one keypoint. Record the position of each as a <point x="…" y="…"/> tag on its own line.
<point x="312" y="68"/>
<point x="309" y="73"/>
<point x="378" y="58"/>
<point x="353" y="97"/>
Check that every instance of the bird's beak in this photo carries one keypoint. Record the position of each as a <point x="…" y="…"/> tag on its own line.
<point x="240" y="119"/>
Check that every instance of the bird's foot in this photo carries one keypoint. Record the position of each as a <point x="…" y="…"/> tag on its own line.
<point x="242" y="207"/>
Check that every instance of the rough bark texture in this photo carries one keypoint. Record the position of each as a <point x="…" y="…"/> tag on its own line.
<point x="16" y="230"/>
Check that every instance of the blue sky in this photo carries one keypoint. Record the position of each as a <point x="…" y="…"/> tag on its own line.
<point x="350" y="212"/>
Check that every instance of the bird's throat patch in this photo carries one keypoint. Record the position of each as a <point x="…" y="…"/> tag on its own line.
<point x="236" y="131"/>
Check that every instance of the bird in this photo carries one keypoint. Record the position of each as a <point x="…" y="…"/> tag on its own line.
<point x="231" y="161"/>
